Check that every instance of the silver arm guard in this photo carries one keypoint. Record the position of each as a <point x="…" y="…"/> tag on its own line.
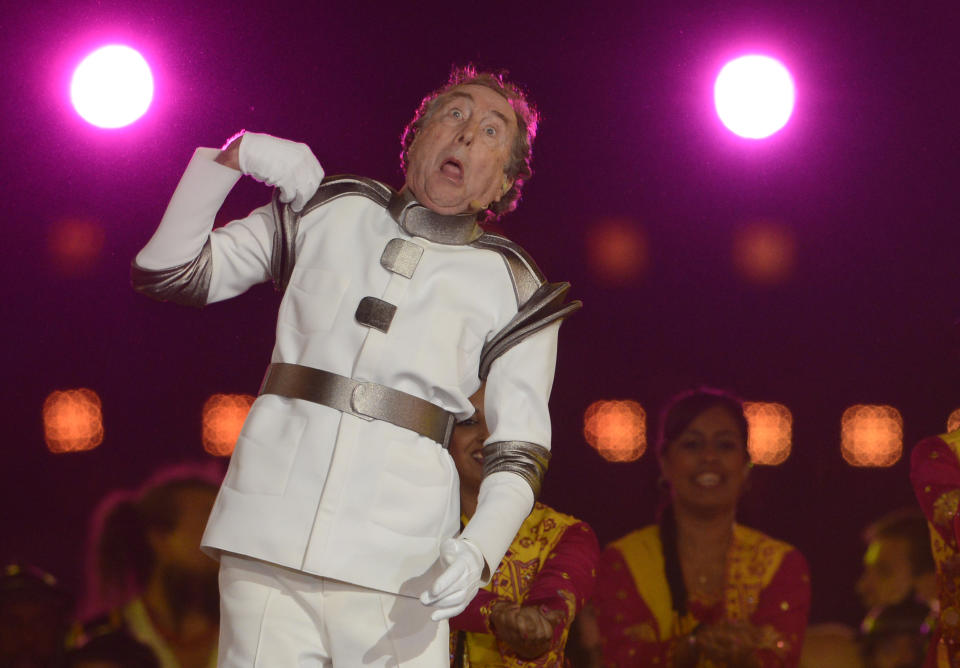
<point x="527" y="460"/>
<point x="188" y="283"/>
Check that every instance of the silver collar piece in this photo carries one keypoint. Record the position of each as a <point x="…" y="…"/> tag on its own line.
<point x="419" y="221"/>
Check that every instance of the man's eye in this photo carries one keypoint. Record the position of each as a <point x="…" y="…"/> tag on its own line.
<point x="457" y="114"/>
<point x="469" y="422"/>
<point x="491" y="132"/>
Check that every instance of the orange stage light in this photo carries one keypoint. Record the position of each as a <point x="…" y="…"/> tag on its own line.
<point x="223" y="416"/>
<point x="953" y="422"/>
<point x="75" y="245"/>
<point x="871" y="435"/>
<point x="771" y="432"/>
<point x="616" y="429"/>
<point x="763" y="252"/>
<point x="72" y="420"/>
<point x="617" y="251"/>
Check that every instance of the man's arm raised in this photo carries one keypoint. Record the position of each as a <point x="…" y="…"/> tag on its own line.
<point x="184" y="261"/>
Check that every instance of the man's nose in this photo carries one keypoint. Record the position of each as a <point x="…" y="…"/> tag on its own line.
<point x="468" y="132"/>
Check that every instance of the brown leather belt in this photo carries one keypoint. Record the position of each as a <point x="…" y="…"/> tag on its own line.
<point x="365" y="400"/>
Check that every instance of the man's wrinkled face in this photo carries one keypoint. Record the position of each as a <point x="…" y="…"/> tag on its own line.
<point x="456" y="162"/>
<point x="887" y="573"/>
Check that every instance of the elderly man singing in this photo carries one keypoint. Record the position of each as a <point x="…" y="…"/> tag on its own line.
<point x="336" y="525"/>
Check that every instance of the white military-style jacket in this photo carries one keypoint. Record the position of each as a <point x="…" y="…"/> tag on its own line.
<point x="375" y="288"/>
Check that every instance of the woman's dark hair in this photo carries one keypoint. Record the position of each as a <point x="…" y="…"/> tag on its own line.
<point x="676" y="416"/>
<point x="121" y="557"/>
<point x="687" y="406"/>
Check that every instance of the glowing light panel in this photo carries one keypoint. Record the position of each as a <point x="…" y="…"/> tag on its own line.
<point x="112" y="87"/>
<point x="223" y="417"/>
<point x="617" y="251"/>
<point x="616" y="429"/>
<point x="764" y="252"/>
<point x="75" y="245"/>
<point x="72" y="421"/>
<point x="953" y="422"/>
<point x="754" y="96"/>
<point x="871" y="435"/>
<point x="771" y="432"/>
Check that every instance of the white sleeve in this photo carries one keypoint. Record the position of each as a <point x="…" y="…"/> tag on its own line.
<point x="518" y="390"/>
<point x="517" y="394"/>
<point x="503" y="504"/>
<point x="189" y="217"/>
<point x="240" y="251"/>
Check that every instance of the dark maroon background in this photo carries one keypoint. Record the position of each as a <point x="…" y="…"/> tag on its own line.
<point x="865" y="176"/>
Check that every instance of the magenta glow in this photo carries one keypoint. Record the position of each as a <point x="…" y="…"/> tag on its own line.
<point x="754" y="96"/>
<point x="112" y="87"/>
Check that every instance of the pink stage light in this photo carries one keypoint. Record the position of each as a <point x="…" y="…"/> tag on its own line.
<point x="112" y="87"/>
<point x="754" y="96"/>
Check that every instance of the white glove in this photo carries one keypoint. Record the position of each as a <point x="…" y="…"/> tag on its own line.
<point x="290" y="166"/>
<point x="453" y="589"/>
<point x="504" y="501"/>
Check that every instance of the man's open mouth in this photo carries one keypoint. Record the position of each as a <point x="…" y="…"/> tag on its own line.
<point x="452" y="169"/>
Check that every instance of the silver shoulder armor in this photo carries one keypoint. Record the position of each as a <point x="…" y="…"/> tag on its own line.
<point x="188" y="283"/>
<point x="285" y="234"/>
<point x="539" y="303"/>
<point x="524" y="272"/>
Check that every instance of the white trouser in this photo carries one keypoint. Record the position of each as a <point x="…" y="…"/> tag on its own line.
<point x="275" y="617"/>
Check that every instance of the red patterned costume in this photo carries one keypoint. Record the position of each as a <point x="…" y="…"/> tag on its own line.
<point x="552" y="563"/>
<point x="767" y="586"/>
<point x="935" y="474"/>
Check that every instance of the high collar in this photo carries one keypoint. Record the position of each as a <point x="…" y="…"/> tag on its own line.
<point x="419" y="221"/>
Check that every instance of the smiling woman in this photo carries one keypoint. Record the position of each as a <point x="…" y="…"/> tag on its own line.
<point x="697" y="589"/>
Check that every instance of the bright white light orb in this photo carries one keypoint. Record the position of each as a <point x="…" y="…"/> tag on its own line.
<point x="112" y="87"/>
<point x="754" y="96"/>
